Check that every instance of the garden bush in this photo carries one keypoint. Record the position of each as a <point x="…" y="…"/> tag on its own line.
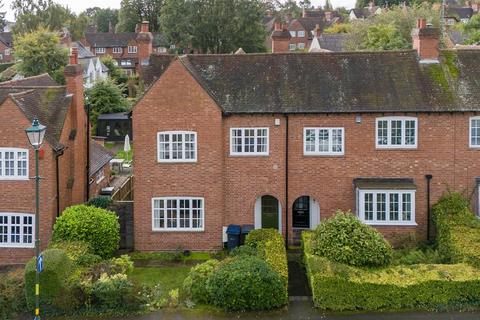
<point x="75" y="250"/>
<point x="100" y="202"/>
<point x="12" y="295"/>
<point x="458" y="230"/>
<point x="340" y="287"/>
<point x="97" y="227"/>
<point x="56" y="269"/>
<point x="195" y="285"/>
<point x="243" y="251"/>
<point x="345" y="239"/>
<point x="246" y="283"/>
<point x="112" y="291"/>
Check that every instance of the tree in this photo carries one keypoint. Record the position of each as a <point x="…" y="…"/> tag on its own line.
<point x="40" y="52"/>
<point x="3" y="22"/>
<point x="385" y="37"/>
<point x="339" y="28"/>
<point x="133" y="12"/>
<point x="472" y="29"/>
<point x="290" y="7"/>
<point x="175" y="22"/>
<point x="328" y="6"/>
<point x="305" y="4"/>
<point x="105" y="97"/>
<point x="102" y="18"/>
<point x="114" y="71"/>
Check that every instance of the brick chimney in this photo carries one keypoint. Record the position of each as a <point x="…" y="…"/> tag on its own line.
<point x="280" y="38"/>
<point x="78" y="165"/>
<point x="328" y="15"/>
<point x="426" y="40"/>
<point x="476" y="7"/>
<point x="317" y="32"/>
<point x="144" y="43"/>
<point x="304" y="13"/>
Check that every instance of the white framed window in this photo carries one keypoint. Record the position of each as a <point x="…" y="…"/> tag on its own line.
<point x="132" y="49"/>
<point x="7" y="52"/>
<point x="178" y="214"/>
<point x="396" y="132"/>
<point x="100" y="176"/>
<point x="387" y="207"/>
<point x="293" y="34"/>
<point x="301" y="45"/>
<point x="13" y="164"/>
<point x="117" y="50"/>
<point x="474" y="136"/>
<point x="99" y="50"/>
<point x="126" y="63"/>
<point x="249" y="141"/>
<point x="292" y="47"/>
<point x="177" y="146"/>
<point x="301" y="34"/>
<point x="323" y="141"/>
<point x="17" y="230"/>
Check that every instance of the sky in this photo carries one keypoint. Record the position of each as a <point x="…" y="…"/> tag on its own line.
<point x="80" y="5"/>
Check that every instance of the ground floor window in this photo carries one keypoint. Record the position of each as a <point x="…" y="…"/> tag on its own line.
<point x="16" y="230"/>
<point x="178" y="214"/>
<point x="387" y="207"/>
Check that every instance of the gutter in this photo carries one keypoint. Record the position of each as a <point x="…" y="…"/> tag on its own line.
<point x="87" y="169"/>
<point x="429" y="211"/>
<point x="286" y="181"/>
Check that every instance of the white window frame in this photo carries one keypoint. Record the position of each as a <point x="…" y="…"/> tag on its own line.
<point x="293" y="34"/>
<point x="117" y="50"/>
<point x="301" y="34"/>
<point x="100" y="50"/>
<point x="170" y="134"/>
<point x="177" y="228"/>
<point x="7" y="52"/>
<point x="301" y="45"/>
<point x="100" y="176"/>
<point x="9" y="226"/>
<point x="254" y="153"/>
<point x="387" y="222"/>
<point x="132" y="49"/>
<point x="292" y="47"/>
<point x="330" y="152"/>
<point x="389" y="145"/>
<point x="476" y="118"/>
<point x="15" y="176"/>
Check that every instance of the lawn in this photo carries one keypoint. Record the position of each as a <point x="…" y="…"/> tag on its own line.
<point x="170" y="277"/>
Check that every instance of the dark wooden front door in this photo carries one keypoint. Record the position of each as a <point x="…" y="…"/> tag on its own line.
<point x="301" y="212"/>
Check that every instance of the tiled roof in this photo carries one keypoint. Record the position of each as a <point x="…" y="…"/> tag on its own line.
<point x="309" y="23"/>
<point x="83" y="52"/>
<point x="99" y="157"/>
<point x="110" y="40"/>
<point x="269" y="23"/>
<point x="159" y="40"/>
<point x="7" y="38"/>
<point x="332" y="41"/>
<point x="457" y="37"/>
<point x="40" y="97"/>
<point x="158" y="64"/>
<point x="460" y="13"/>
<point x="347" y="82"/>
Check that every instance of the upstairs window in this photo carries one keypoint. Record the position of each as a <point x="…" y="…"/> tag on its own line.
<point x="387" y="207"/>
<point x="132" y="49"/>
<point x="474" y="132"/>
<point x="249" y="141"/>
<point x="7" y="52"/>
<point x="117" y="50"/>
<point x="293" y="34"/>
<point x="301" y="34"/>
<point x="99" y="50"/>
<point x="16" y="230"/>
<point x="13" y="164"/>
<point x="177" y="146"/>
<point x="323" y="141"/>
<point x="396" y="132"/>
<point x="177" y="214"/>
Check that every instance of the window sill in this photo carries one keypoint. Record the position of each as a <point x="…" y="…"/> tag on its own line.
<point x="14" y="179"/>
<point x="17" y="246"/>
<point x="323" y="155"/>
<point x="248" y="155"/>
<point x="176" y="162"/>
<point x="391" y="224"/>
<point x="402" y="148"/>
<point x="177" y="230"/>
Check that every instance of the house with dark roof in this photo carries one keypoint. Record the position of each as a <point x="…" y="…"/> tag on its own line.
<point x="455" y="15"/>
<point x="364" y="13"/>
<point x="93" y="68"/>
<point x="126" y="47"/>
<point x="284" y="140"/>
<point x="63" y="157"/>
<point x="6" y="47"/>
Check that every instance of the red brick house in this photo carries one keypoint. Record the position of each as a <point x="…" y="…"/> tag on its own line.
<point x="6" y="47"/>
<point x="63" y="157"/>
<point x="129" y="49"/>
<point x="284" y="140"/>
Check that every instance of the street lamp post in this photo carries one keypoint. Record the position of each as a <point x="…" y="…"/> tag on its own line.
<point x="35" y="135"/>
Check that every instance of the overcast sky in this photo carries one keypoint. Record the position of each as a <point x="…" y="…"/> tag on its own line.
<point x="80" y="5"/>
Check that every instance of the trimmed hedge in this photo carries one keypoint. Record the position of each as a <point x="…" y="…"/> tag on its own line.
<point x="345" y="239"/>
<point x="195" y="284"/>
<point x="246" y="283"/>
<point x="97" y="227"/>
<point x="271" y="247"/>
<point x="340" y="287"/>
<point x="458" y="230"/>
<point x="57" y="267"/>
<point x="12" y="294"/>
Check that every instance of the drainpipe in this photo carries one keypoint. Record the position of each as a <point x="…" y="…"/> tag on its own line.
<point x="57" y="177"/>
<point x="429" y="213"/>
<point x="286" y="180"/>
<point x="87" y="182"/>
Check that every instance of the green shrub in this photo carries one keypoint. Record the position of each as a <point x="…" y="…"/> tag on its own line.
<point x="88" y="260"/>
<point x="74" y="249"/>
<point x="122" y="264"/>
<point x="56" y="269"/>
<point x="246" y="283"/>
<point x="99" y="228"/>
<point x="100" y="202"/>
<point x="195" y="285"/>
<point x="243" y="251"/>
<point x="112" y="292"/>
<point x="257" y="236"/>
<point x="458" y="230"/>
<point x="340" y="287"/>
<point x="416" y="256"/>
<point x="12" y="296"/>
<point x="345" y="239"/>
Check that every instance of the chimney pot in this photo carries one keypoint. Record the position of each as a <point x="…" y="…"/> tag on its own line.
<point x="74" y="56"/>
<point x="426" y="40"/>
<point x="421" y="23"/>
<point x="278" y="26"/>
<point x="144" y="27"/>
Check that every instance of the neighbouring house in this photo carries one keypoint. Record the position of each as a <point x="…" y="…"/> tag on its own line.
<point x="115" y="126"/>
<point x="6" y="47"/>
<point x="93" y="68"/>
<point x="284" y="140"/>
<point x="99" y="166"/>
<point x="129" y="49"/>
<point x="455" y="15"/>
<point x="327" y="41"/>
<point x="364" y="13"/>
<point x="63" y="157"/>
